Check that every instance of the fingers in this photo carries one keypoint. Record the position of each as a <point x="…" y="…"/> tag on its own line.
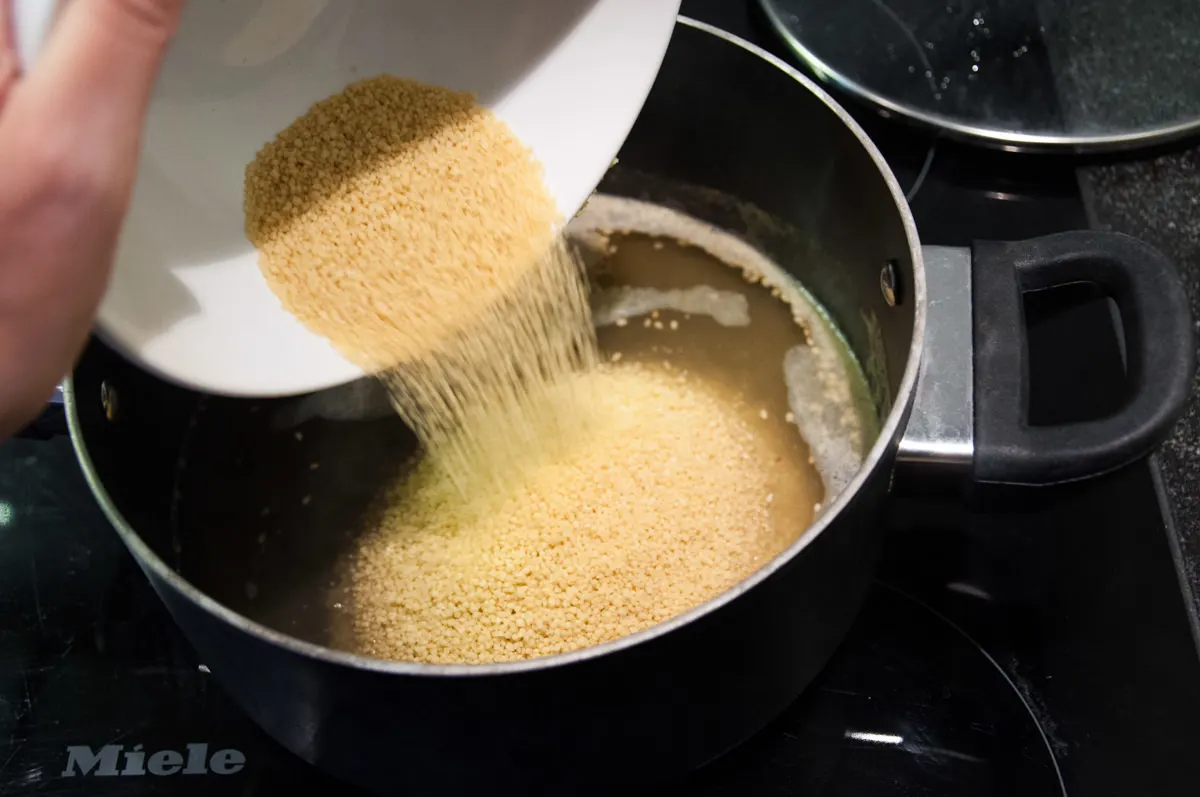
<point x="69" y="142"/>
<point x="90" y="86"/>
<point x="10" y="65"/>
<point x="107" y="52"/>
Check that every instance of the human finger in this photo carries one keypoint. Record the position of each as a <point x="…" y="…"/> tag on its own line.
<point x="69" y="142"/>
<point x="10" y="64"/>
<point x="91" y="84"/>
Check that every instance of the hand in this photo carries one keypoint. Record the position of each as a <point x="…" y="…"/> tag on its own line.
<point x="70" y="132"/>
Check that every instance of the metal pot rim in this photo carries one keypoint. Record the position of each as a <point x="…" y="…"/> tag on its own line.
<point x="888" y="437"/>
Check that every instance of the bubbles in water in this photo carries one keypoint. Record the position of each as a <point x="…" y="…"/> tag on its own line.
<point x="975" y="57"/>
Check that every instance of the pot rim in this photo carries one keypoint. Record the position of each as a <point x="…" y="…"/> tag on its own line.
<point x="889" y="436"/>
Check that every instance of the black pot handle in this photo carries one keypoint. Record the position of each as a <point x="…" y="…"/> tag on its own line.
<point x="1160" y="355"/>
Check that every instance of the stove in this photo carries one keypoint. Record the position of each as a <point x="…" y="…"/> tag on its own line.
<point x="1022" y="641"/>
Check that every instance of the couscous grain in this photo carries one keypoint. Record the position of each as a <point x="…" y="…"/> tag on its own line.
<point x="658" y="508"/>
<point x="409" y="225"/>
<point x="389" y="215"/>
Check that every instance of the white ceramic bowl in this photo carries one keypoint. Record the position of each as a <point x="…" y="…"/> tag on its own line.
<point x="187" y="300"/>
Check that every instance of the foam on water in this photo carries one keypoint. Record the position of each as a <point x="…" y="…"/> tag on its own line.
<point x="825" y="385"/>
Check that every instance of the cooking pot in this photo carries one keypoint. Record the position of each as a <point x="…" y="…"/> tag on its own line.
<point x="198" y="485"/>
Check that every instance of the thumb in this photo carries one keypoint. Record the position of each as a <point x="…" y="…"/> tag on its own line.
<point x="10" y="66"/>
<point x="69" y="142"/>
<point x="93" y="80"/>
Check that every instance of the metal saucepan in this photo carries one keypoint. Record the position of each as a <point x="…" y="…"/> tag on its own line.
<point x="185" y="478"/>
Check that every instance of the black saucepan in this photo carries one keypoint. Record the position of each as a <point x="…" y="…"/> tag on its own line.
<point x="197" y="485"/>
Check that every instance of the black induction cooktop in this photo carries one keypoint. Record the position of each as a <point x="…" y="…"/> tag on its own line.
<point x="1033" y="642"/>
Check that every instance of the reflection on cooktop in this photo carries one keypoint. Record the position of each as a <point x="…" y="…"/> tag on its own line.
<point x="910" y="705"/>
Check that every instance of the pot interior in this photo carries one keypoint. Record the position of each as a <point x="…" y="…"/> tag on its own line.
<point x="259" y="503"/>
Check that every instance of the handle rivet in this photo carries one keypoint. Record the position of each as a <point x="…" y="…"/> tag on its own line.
<point x="887" y="283"/>
<point x="108" y="399"/>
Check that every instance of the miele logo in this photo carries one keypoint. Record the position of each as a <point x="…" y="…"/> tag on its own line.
<point x="114" y="760"/>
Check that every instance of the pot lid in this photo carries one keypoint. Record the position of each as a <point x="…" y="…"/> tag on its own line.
<point x="1025" y="74"/>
